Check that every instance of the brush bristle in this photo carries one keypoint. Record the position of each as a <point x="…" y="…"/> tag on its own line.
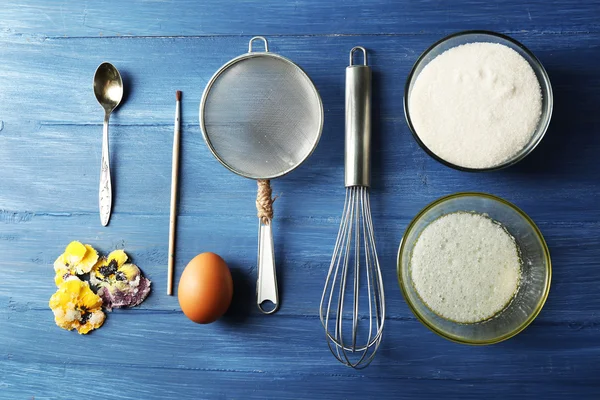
<point x="178" y="95"/>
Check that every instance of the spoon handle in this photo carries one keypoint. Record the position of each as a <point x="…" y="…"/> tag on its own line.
<point x="105" y="195"/>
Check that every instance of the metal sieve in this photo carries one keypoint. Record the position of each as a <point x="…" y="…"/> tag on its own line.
<point x="261" y="117"/>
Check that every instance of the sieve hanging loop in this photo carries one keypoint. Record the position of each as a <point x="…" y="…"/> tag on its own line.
<point x="258" y="38"/>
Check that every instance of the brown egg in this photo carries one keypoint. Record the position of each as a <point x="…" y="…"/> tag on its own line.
<point x="205" y="288"/>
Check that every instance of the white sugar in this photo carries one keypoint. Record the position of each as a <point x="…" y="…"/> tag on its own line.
<point x="476" y="105"/>
<point x="465" y="267"/>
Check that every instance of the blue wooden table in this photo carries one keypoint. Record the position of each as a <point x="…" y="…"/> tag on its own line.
<point x="50" y="140"/>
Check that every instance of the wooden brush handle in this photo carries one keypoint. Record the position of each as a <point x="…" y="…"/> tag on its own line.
<point x="173" y="217"/>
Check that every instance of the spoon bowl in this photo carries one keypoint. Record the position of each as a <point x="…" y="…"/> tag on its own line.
<point x="108" y="88"/>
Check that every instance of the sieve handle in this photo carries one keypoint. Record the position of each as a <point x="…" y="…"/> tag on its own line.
<point x="266" y="286"/>
<point x="357" y="152"/>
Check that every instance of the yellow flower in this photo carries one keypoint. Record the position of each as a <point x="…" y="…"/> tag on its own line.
<point x="108" y="268"/>
<point x="78" y="259"/>
<point x="63" y="275"/>
<point x="75" y="306"/>
<point x="120" y="284"/>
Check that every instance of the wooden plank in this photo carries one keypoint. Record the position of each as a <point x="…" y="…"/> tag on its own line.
<point x="288" y="345"/>
<point x="74" y="382"/>
<point x="305" y="17"/>
<point x="49" y="147"/>
<point x="303" y="252"/>
<point x="405" y="178"/>
<point x="154" y="68"/>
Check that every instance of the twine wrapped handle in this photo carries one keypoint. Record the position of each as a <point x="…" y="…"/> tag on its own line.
<point x="264" y="201"/>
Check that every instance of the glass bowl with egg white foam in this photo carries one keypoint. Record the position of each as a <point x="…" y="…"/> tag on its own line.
<point x="496" y="127"/>
<point x="516" y="311"/>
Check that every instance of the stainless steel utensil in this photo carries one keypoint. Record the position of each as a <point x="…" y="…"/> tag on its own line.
<point x="108" y="88"/>
<point x="261" y="117"/>
<point x="355" y="255"/>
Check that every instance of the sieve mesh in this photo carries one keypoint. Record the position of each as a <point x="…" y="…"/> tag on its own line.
<point x="261" y="116"/>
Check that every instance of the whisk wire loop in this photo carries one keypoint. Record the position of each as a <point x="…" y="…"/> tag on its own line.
<point x="354" y="264"/>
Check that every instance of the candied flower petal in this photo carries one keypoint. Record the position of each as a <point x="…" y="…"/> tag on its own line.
<point x="95" y="319"/>
<point x="60" y="276"/>
<point x="130" y="271"/>
<point x="106" y="268"/>
<point x="129" y="288"/>
<point x="60" y="263"/>
<point x="78" y="259"/>
<point x="75" y="252"/>
<point x="75" y="306"/>
<point x="63" y="275"/>
<point x="119" y="284"/>
<point x="89" y="300"/>
<point x="119" y="256"/>
<point x="88" y="261"/>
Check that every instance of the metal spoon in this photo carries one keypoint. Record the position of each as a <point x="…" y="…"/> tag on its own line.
<point x="108" y="88"/>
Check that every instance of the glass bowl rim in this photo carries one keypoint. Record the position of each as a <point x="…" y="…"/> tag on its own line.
<point x="433" y="327"/>
<point x="538" y="65"/>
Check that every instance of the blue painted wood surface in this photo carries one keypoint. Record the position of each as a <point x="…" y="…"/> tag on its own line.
<point x="50" y="136"/>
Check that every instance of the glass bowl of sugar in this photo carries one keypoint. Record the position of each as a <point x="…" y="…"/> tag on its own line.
<point x="474" y="268"/>
<point x="478" y="101"/>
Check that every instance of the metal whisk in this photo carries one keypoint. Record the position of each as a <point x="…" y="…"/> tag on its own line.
<point x="354" y="336"/>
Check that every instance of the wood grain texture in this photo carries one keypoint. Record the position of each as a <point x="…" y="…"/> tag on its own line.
<point x="71" y="382"/>
<point x="50" y="136"/>
<point x="300" y="17"/>
<point x="301" y="264"/>
<point x="146" y="340"/>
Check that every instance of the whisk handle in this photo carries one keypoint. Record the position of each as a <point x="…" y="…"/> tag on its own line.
<point x="357" y="152"/>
